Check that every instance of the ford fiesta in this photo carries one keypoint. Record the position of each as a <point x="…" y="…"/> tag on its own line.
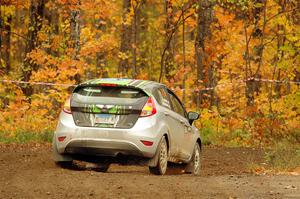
<point x="127" y="121"/>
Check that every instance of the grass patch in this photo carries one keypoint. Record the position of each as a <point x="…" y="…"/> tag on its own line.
<point x="237" y="138"/>
<point x="207" y="136"/>
<point x="284" y="155"/>
<point x="24" y="137"/>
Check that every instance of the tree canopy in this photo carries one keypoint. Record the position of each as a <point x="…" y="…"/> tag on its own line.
<point x="235" y="61"/>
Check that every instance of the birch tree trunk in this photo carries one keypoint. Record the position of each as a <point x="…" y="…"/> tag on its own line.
<point x="75" y="31"/>
<point x="75" y="35"/>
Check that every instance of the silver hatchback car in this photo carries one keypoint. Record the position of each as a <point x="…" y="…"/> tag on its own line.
<point x="127" y="121"/>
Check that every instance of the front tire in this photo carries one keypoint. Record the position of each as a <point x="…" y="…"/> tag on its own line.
<point x="162" y="163"/>
<point x="193" y="167"/>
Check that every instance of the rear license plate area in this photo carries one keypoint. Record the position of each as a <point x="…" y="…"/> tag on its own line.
<point x="105" y="119"/>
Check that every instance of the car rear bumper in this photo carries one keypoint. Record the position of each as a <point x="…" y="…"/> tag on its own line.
<point x="102" y="148"/>
<point x="107" y="141"/>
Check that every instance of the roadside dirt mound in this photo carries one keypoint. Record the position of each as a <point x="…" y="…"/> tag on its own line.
<point x="27" y="171"/>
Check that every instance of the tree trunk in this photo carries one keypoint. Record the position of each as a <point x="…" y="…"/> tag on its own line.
<point x="183" y="55"/>
<point x="143" y="36"/>
<point x="7" y="44"/>
<point x="204" y="20"/>
<point x="169" y="26"/>
<point x="21" y="43"/>
<point x="252" y="85"/>
<point x="75" y="31"/>
<point x="100" y="56"/>
<point x="125" y="40"/>
<point x="36" y="12"/>
<point x="134" y="37"/>
<point x="1" y="26"/>
<point x="75" y="35"/>
<point x="280" y="53"/>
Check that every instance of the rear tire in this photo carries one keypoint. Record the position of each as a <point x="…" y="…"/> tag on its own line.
<point x="102" y="167"/>
<point x="193" y="167"/>
<point x="162" y="163"/>
<point x="65" y="164"/>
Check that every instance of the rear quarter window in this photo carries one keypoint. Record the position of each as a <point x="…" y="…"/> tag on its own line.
<point x="162" y="97"/>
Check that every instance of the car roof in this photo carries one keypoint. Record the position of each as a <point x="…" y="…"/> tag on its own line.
<point x="142" y="84"/>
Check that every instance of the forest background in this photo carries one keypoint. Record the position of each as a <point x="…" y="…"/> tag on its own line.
<point x="237" y="62"/>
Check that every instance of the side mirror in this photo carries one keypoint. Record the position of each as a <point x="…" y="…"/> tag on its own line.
<point x="192" y="116"/>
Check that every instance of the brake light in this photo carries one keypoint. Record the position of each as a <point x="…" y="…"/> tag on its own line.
<point x="67" y="106"/>
<point x="108" y="84"/>
<point x="149" y="108"/>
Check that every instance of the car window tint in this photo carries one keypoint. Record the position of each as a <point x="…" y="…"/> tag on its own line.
<point x="162" y="97"/>
<point x="176" y="105"/>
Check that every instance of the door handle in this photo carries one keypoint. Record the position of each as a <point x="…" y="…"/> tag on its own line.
<point x="166" y="114"/>
<point x="182" y="122"/>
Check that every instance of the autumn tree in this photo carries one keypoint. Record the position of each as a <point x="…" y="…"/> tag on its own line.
<point x="237" y="61"/>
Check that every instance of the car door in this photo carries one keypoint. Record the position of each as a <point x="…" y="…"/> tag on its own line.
<point x="162" y="97"/>
<point x="182" y="130"/>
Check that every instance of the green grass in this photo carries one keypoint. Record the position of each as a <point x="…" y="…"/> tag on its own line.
<point x="284" y="155"/>
<point x="24" y="137"/>
<point x="207" y="136"/>
<point x="236" y="138"/>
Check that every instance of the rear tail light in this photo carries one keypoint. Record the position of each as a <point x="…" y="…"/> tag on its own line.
<point x="62" y="138"/>
<point x="149" y="108"/>
<point x="67" y="106"/>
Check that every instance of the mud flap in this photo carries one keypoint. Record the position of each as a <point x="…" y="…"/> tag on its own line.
<point x="153" y="161"/>
<point x="57" y="157"/>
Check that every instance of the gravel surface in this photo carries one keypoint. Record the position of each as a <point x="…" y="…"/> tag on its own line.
<point x="28" y="171"/>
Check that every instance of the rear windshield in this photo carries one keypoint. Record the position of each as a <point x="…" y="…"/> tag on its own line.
<point x="115" y="92"/>
<point x="107" y="106"/>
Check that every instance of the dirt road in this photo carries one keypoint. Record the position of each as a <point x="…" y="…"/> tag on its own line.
<point x="27" y="171"/>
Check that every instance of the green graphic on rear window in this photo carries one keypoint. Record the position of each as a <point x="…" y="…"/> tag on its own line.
<point x="105" y="109"/>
